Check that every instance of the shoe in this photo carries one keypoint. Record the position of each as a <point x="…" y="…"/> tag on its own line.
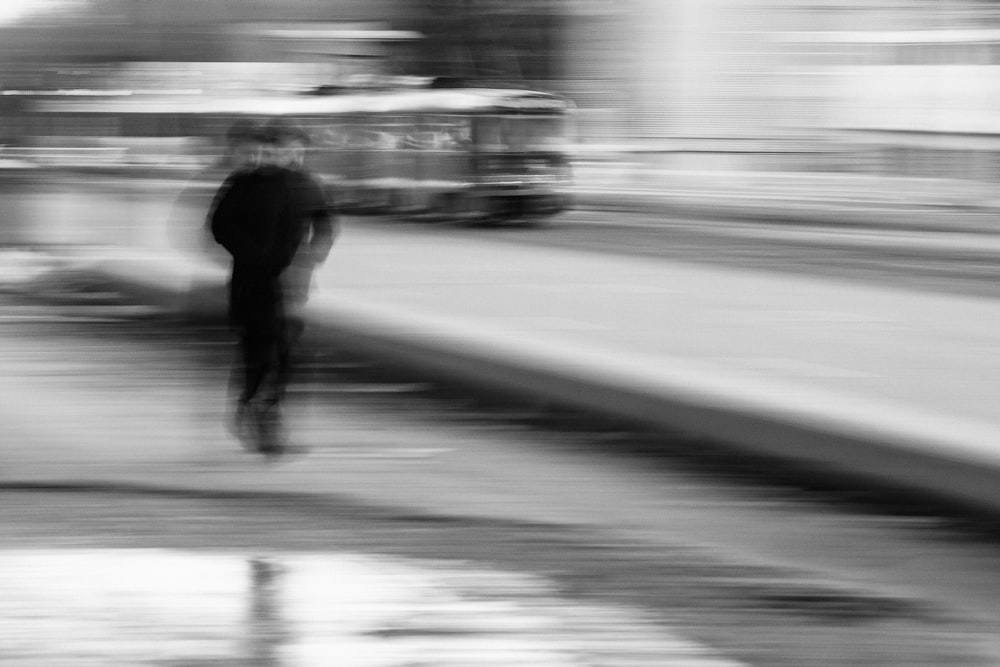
<point x="240" y="426"/>
<point x="283" y="452"/>
<point x="270" y="430"/>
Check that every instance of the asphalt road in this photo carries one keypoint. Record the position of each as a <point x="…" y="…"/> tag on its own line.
<point x="960" y="262"/>
<point x="710" y="547"/>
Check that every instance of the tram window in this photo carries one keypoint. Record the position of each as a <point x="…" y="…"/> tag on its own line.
<point x="461" y="131"/>
<point x="520" y="133"/>
<point x="352" y="136"/>
<point x="419" y="136"/>
<point x="330" y="136"/>
<point x="359" y="136"/>
<point x="309" y="126"/>
<point x="543" y="132"/>
<point x="514" y="130"/>
<point x="444" y="133"/>
<point x="394" y="131"/>
<point x="372" y="138"/>
<point x="322" y="133"/>
<point x="532" y="133"/>
<point x="489" y="133"/>
<point x="456" y="131"/>
<point x="384" y="135"/>
<point x="416" y="138"/>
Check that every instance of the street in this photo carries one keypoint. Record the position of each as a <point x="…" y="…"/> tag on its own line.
<point x="949" y="258"/>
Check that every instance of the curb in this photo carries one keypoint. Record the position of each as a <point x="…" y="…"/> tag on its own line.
<point x="883" y="443"/>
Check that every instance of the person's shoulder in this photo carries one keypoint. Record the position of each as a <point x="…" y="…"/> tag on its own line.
<point x="305" y="182"/>
<point x="299" y="176"/>
<point x="241" y="177"/>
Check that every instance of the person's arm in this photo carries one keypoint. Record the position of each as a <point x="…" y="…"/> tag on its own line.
<point x="325" y="225"/>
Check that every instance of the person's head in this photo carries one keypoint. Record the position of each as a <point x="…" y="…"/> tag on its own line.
<point x="288" y="143"/>
<point x="245" y="144"/>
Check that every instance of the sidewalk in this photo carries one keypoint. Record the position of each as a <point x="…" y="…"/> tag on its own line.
<point x="894" y="384"/>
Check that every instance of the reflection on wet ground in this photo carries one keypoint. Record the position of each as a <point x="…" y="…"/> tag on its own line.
<point x="162" y="607"/>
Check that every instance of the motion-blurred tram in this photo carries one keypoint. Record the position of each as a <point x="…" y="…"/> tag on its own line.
<point x="475" y="153"/>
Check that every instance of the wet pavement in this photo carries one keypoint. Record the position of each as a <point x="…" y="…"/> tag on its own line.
<point x="118" y="578"/>
<point x="72" y="593"/>
<point x="124" y="413"/>
<point x="171" y="607"/>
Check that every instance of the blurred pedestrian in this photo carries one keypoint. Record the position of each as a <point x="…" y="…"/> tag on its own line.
<point x="188" y="225"/>
<point x="275" y="222"/>
<point x="243" y="151"/>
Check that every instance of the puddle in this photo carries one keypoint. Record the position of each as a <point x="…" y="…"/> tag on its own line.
<point x="160" y="607"/>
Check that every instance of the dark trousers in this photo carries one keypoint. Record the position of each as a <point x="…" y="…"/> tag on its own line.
<point x="267" y="359"/>
<point x="268" y="330"/>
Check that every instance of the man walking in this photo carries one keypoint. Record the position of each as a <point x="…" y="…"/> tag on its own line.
<point x="275" y="223"/>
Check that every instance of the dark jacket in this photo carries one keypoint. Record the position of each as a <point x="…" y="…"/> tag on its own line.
<point x="262" y="218"/>
<point x="315" y="209"/>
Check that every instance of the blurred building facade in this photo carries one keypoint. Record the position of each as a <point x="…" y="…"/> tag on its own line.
<point x="890" y="87"/>
<point x="885" y="86"/>
<point x="907" y="88"/>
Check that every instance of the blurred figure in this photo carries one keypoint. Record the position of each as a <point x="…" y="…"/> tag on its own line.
<point x="189" y="224"/>
<point x="244" y="151"/>
<point x="274" y="220"/>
